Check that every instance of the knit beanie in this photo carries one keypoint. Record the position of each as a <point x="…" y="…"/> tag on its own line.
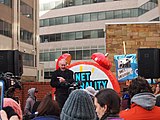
<point x="90" y="90"/>
<point x="78" y="106"/>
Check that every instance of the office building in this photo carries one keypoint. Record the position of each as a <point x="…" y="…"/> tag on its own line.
<point x="78" y="26"/>
<point x="19" y="23"/>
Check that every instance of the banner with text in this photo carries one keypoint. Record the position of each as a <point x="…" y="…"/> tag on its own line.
<point x="92" y="74"/>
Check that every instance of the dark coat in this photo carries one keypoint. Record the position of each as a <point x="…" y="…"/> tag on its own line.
<point x="62" y="89"/>
<point x="49" y="117"/>
<point x="110" y="117"/>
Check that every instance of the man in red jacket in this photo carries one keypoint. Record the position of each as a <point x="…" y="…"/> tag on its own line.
<point x="142" y="102"/>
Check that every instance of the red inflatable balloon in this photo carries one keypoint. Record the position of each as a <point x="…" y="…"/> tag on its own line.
<point x="102" y="60"/>
<point x="65" y="56"/>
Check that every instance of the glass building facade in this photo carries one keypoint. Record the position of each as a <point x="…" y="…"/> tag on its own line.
<point x="77" y="26"/>
<point x="102" y="15"/>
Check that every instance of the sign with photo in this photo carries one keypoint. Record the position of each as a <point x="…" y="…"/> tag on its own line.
<point x="126" y="67"/>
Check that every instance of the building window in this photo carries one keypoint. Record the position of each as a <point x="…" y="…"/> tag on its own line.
<point x="71" y="35"/>
<point x="5" y="28"/>
<point x="28" y="59"/>
<point x="86" y="54"/>
<point x="94" y="16"/>
<point x="103" y="15"/>
<point x="41" y="23"/>
<point x="49" y="56"/>
<point x="57" y="4"/>
<point x="52" y="21"/>
<point x="26" y="36"/>
<point x="118" y="14"/>
<point x="86" y="17"/>
<point x="58" y="20"/>
<point x="58" y="37"/>
<point x="71" y="19"/>
<point x="65" y="36"/>
<point x="52" y="37"/>
<point x="78" y="18"/>
<point x="26" y="10"/>
<point x="134" y="12"/>
<point x="6" y="2"/>
<point x="65" y="20"/>
<point x="110" y="15"/>
<point x="86" y="2"/>
<point x="79" y="35"/>
<point x="76" y="53"/>
<point x="89" y="34"/>
<point x="100" y="33"/>
<point x="68" y="3"/>
<point x="156" y="19"/>
<point x="94" y="34"/>
<point x="86" y="34"/>
<point x="78" y="2"/>
<point x="46" y="22"/>
<point x="126" y="13"/>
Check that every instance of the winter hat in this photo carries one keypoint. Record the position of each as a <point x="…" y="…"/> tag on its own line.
<point x="12" y="103"/>
<point x="78" y="106"/>
<point x="90" y="90"/>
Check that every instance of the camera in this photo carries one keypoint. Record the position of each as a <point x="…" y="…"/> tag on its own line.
<point x="11" y="83"/>
<point x="74" y="86"/>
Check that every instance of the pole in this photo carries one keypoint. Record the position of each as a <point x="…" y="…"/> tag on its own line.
<point x="124" y="47"/>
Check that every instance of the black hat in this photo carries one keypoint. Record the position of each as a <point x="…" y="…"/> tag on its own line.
<point x="78" y="106"/>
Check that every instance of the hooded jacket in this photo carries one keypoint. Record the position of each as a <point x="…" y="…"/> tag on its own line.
<point x="30" y="101"/>
<point x="142" y="108"/>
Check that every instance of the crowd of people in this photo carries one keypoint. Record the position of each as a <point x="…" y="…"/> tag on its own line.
<point x="86" y="104"/>
<point x="89" y="104"/>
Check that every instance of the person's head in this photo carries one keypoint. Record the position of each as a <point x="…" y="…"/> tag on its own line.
<point x="107" y="101"/>
<point x="48" y="106"/>
<point x="32" y="92"/>
<point x="156" y="89"/>
<point x="13" y="104"/>
<point x="139" y="85"/>
<point x="78" y="106"/>
<point x="91" y="91"/>
<point x="62" y="64"/>
<point x="36" y="92"/>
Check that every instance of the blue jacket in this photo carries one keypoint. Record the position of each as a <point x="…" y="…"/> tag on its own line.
<point x="48" y="117"/>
